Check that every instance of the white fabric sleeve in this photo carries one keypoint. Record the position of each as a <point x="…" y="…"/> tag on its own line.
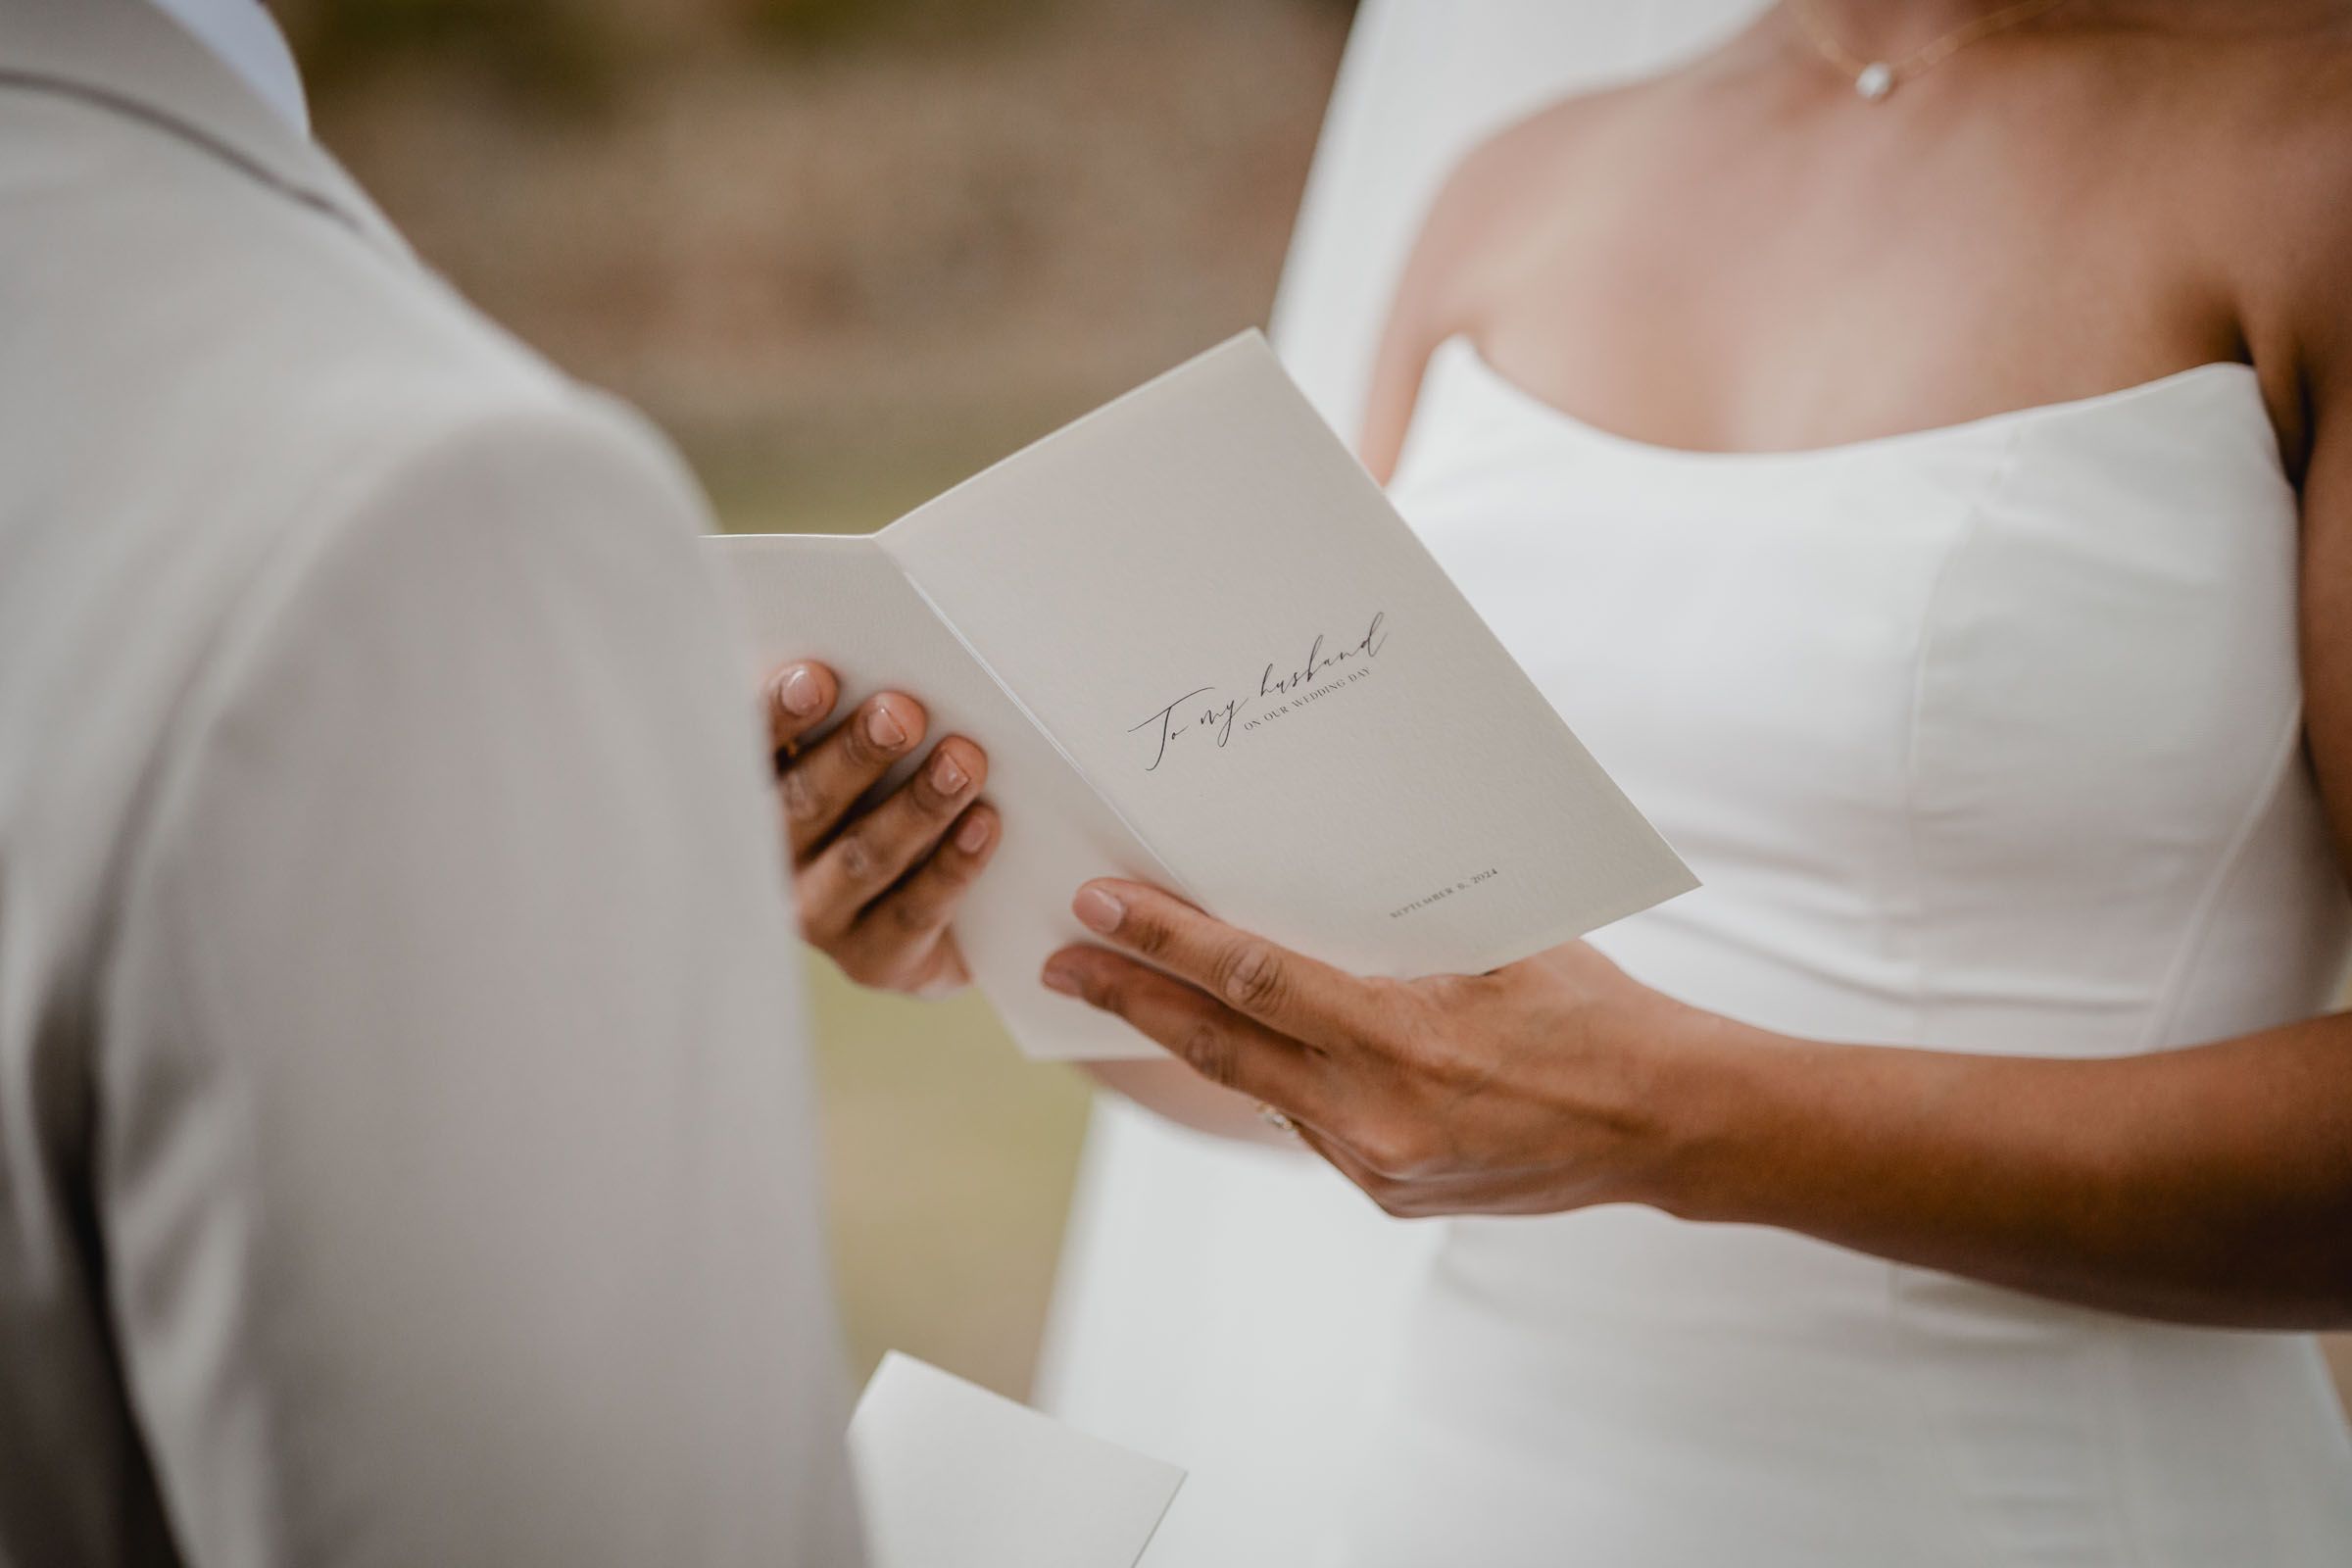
<point x="457" y="1180"/>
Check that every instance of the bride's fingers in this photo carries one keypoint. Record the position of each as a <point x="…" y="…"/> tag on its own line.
<point x="882" y="844"/>
<point x="797" y="697"/>
<point x="821" y="785"/>
<point x="1293" y="995"/>
<point x="901" y="928"/>
<point x="1219" y="1044"/>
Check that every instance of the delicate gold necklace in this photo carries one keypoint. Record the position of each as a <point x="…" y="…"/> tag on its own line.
<point x="1873" y="79"/>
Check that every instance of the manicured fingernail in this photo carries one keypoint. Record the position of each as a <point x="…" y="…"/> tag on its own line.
<point x="1059" y="977"/>
<point x="883" y="729"/>
<point x="972" y="836"/>
<point x="803" y="692"/>
<point x="946" y="776"/>
<point x="1098" y="910"/>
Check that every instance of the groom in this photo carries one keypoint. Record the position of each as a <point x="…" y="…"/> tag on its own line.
<point x="405" y="1148"/>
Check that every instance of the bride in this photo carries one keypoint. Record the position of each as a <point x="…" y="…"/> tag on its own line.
<point x="1912" y="443"/>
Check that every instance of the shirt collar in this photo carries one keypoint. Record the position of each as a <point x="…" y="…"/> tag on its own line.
<point x="125" y="56"/>
<point x="247" y="40"/>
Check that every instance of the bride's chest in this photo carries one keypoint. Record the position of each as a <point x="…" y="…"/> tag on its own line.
<point x="2030" y="645"/>
<point x="1821" y="289"/>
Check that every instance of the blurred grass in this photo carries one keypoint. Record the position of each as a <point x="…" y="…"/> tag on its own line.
<point x="949" y="1163"/>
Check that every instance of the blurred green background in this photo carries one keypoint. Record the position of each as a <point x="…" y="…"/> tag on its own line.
<point x="848" y="251"/>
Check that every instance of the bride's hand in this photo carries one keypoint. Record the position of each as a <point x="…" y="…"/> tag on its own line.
<point x="876" y="887"/>
<point x="1537" y="1087"/>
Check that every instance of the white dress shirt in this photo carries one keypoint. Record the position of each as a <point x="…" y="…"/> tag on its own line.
<point x="245" y="37"/>
<point x="406" y="1146"/>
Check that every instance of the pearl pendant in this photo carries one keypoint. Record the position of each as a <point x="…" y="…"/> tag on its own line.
<point x="1876" y="81"/>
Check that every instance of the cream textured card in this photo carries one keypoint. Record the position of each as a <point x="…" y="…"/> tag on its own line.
<point x="1202" y="650"/>
<point x="953" y="1476"/>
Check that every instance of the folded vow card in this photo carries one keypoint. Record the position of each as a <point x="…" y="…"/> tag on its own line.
<point x="953" y="1476"/>
<point x="1202" y="649"/>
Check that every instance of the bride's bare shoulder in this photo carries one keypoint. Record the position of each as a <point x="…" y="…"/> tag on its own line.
<point x="2265" y="173"/>
<point x="2276" y="171"/>
<point x="2270" y="99"/>
<point x="1506" y="194"/>
<point x="1557" y="134"/>
<point x="1496" y="210"/>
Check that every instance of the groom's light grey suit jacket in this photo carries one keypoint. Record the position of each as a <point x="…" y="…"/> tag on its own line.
<point x="404" y="1155"/>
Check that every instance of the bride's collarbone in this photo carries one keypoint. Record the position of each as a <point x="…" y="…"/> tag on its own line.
<point x="1710" y="343"/>
<point x="1806" y="295"/>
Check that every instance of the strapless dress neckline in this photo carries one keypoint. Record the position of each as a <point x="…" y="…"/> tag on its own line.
<point x="1462" y="352"/>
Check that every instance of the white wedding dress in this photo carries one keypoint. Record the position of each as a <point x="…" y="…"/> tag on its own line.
<point x="1985" y="738"/>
